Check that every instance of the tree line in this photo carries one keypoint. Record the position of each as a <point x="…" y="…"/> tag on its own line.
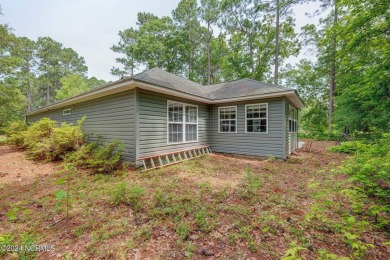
<point x="344" y="80"/>
<point x="37" y="73"/>
<point x="344" y="83"/>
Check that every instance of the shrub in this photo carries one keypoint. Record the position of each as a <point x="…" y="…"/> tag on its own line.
<point x="16" y="131"/>
<point x="98" y="157"/>
<point x="350" y="147"/>
<point x="370" y="165"/>
<point x="130" y="195"/>
<point x="45" y="140"/>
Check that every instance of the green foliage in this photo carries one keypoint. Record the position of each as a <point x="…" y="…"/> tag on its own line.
<point x="72" y="85"/>
<point x="12" y="214"/>
<point x="12" y="103"/>
<point x="130" y="195"/>
<point x="182" y="230"/>
<point x="244" y="48"/>
<point x="205" y="220"/>
<point x="293" y="252"/>
<point x="98" y="157"/>
<point x="44" y="140"/>
<point x="370" y="165"/>
<point x="15" y="130"/>
<point x="350" y="147"/>
<point x="313" y="118"/>
<point x="250" y="188"/>
<point x="363" y="96"/>
<point x="63" y="196"/>
<point x="5" y="239"/>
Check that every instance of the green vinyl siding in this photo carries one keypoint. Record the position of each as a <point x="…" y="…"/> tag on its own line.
<point x="112" y="117"/>
<point x="253" y="144"/>
<point x="152" y="121"/>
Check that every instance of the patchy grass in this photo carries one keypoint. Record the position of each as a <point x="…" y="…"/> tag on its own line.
<point x="216" y="205"/>
<point x="3" y="138"/>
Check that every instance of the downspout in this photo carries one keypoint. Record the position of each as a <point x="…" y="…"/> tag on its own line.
<point x="210" y="120"/>
<point x="284" y="134"/>
<point x="136" y="125"/>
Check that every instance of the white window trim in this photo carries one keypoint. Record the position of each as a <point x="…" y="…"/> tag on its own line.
<point x="294" y="119"/>
<point x="67" y="112"/>
<point x="219" y="120"/>
<point x="183" y="123"/>
<point x="246" y="121"/>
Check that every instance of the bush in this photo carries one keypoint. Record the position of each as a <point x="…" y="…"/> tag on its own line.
<point x="16" y="131"/>
<point x="98" y="157"/>
<point x="350" y="147"/>
<point x="45" y="140"/>
<point x="370" y="165"/>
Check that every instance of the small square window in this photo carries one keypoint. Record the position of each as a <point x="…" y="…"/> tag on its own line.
<point x="67" y="112"/>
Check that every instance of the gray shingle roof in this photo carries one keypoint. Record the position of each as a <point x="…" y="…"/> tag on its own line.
<point x="242" y="88"/>
<point x="231" y="89"/>
<point x="157" y="77"/>
<point x="165" y="79"/>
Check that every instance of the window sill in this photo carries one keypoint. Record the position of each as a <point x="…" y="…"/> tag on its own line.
<point x="188" y="142"/>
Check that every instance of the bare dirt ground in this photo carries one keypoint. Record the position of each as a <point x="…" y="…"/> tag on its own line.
<point x="213" y="207"/>
<point x="14" y="167"/>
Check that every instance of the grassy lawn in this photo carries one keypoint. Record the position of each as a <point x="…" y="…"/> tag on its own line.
<point x="215" y="206"/>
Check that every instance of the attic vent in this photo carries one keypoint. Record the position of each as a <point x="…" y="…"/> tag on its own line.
<point x="67" y="111"/>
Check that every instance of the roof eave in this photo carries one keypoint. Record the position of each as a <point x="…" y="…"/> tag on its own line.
<point x="292" y="95"/>
<point x="96" y="93"/>
<point x="131" y="83"/>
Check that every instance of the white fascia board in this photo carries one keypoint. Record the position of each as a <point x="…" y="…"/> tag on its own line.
<point x="290" y="94"/>
<point x="116" y="88"/>
<point x="124" y="86"/>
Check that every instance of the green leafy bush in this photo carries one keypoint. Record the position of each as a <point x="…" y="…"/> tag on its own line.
<point x="45" y="140"/>
<point x="350" y="147"/>
<point x="370" y="165"/>
<point x="15" y="131"/>
<point x="98" y="157"/>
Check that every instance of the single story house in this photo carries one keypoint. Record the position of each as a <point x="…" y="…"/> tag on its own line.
<point x="155" y="113"/>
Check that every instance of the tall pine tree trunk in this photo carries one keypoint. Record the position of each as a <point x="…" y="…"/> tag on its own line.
<point x="252" y="59"/>
<point x="28" y="96"/>
<point x="190" y="65"/>
<point x="48" y="95"/>
<point x="208" y="62"/>
<point x="276" y="75"/>
<point x="332" y="71"/>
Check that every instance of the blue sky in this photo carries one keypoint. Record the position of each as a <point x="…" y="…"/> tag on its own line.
<point x="91" y="27"/>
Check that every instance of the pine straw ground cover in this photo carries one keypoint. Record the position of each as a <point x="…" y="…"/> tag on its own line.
<point x="215" y="207"/>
